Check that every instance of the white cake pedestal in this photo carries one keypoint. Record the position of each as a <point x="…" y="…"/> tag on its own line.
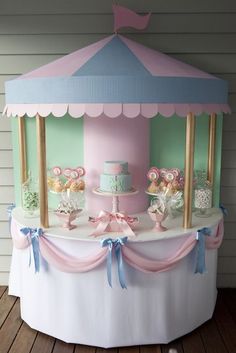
<point x="115" y="197"/>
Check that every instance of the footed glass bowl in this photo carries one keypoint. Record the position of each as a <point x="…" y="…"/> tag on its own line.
<point x="158" y="218"/>
<point x="67" y="218"/>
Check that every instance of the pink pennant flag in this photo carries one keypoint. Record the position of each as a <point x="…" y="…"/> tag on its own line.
<point x="124" y="17"/>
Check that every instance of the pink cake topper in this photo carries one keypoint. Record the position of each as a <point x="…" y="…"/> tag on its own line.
<point x="153" y="174"/>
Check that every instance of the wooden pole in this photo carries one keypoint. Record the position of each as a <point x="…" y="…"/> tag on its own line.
<point x="22" y="149"/>
<point x="211" y="149"/>
<point x="41" y="152"/>
<point x="189" y="165"/>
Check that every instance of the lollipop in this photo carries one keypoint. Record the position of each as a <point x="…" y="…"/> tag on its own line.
<point x="74" y="174"/>
<point x="176" y="172"/>
<point x="67" y="172"/>
<point x="163" y="172"/>
<point x="169" y="175"/>
<point x="81" y="171"/>
<point x="56" y="171"/>
<point x="153" y="174"/>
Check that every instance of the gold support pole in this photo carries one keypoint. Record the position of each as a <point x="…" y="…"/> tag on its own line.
<point x="211" y="149"/>
<point x="41" y="151"/>
<point x="189" y="164"/>
<point x="22" y="149"/>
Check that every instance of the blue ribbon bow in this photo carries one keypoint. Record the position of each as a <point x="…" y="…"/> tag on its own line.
<point x="115" y="244"/>
<point x="201" y="265"/>
<point x="10" y="208"/>
<point x="223" y="209"/>
<point x="34" y="234"/>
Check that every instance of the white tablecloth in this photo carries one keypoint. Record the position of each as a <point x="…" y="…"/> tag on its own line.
<point x="82" y="308"/>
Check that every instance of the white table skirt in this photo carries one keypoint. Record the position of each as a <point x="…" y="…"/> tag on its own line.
<point x="82" y="308"/>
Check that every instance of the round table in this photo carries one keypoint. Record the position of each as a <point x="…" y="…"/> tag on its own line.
<point x="83" y="308"/>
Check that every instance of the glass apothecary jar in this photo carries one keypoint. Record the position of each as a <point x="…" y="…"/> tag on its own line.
<point x="30" y="197"/>
<point x="202" y="195"/>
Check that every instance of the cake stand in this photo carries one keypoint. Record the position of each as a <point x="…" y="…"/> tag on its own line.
<point x="115" y="197"/>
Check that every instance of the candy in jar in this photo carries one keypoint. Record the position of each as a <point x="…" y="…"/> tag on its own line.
<point x="203" y="198"/>
<point x="30" y="196"/>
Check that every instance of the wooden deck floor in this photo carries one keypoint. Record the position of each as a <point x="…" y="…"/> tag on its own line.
<point x="216" y="336"/>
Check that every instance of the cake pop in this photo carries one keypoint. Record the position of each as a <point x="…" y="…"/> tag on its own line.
<point x="153" y="175"/>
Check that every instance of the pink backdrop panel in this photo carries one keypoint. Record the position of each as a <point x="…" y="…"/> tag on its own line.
<point x="116" y="139"/>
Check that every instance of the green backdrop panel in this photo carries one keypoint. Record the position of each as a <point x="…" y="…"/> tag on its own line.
<point x="168" y="145"/>
<point x="64" y="139"/>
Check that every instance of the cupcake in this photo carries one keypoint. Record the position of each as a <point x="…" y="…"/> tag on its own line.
<point x="81" y="185"/>
<point x="51" y="182"/>
<point x="74" y="186"/>
<point x="153" y="187"/>
<point x="58" y="186"/>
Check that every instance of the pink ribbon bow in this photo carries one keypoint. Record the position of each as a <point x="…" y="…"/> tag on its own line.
<point x="104" y="219"/>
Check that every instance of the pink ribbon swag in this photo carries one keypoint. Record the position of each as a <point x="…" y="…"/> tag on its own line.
<point x="105" y="223"/>
<point x="67" y="263"/>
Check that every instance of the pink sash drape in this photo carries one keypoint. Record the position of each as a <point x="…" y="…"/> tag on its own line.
<point x="67" y="263"/>
<point x="145" y="265"/>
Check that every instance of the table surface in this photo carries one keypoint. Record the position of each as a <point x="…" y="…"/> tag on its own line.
<point x="143" y="230"/>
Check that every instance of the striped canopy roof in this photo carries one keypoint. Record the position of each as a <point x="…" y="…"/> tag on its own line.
<point x="116" y="76"/>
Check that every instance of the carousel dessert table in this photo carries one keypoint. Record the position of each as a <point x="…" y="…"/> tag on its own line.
<point x="82" y="308"/>
<point x="120" y="94"/>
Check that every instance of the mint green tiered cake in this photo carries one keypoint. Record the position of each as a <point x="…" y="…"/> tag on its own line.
<point x="116" y="177"/>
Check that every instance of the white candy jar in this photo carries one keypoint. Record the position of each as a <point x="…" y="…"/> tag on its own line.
<point x="203" y="196"/>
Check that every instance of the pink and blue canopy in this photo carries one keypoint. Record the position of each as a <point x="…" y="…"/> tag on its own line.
<point x="116" y="76"/>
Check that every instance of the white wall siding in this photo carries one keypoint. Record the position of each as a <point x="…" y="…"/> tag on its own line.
<point x="11" y="7"/>
<point x="202" y="33"/>
<point x="5" y="140"/>
<point x="227" y="252"/>
<point x="6" y="193"/>
<point x="6" y="177"/>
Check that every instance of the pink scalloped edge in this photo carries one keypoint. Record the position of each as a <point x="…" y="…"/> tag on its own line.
<point x="147" y="110"/>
